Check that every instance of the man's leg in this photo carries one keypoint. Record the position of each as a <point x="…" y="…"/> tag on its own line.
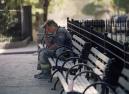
<point x="44" y="63"/>
<point x="39" y="56"/>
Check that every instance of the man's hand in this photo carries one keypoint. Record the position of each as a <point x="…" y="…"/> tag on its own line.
<point x="48" y="41"/>
<point x="53" y="46"/>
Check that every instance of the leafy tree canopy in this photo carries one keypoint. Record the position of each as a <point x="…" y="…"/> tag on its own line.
<point x="122" y="4"/>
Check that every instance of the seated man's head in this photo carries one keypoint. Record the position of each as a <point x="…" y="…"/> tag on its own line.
<point x="50" y="26"/>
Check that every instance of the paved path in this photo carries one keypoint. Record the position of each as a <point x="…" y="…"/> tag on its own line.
<point x="28" y="49"/>
<point x="16" y="75"/>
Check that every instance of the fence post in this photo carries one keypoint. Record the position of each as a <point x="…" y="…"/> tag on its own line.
<point x="126" y="50"/>
<point x="26" y="21"/>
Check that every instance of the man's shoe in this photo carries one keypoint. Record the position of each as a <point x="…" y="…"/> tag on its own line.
<point x="43" y="76"/>
<point x="37" y="75"/>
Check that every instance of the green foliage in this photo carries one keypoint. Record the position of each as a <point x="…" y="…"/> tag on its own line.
<point x="13" y="4"/>
<point x="90" y="8"/>
<point x="122" y="4"/>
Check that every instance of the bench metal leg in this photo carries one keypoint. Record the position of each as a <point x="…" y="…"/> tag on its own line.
<point x="54" y="87"/>
<point x="52" y="76"/>
<point x="105" y="90"/>
<point x="62" y="91"/>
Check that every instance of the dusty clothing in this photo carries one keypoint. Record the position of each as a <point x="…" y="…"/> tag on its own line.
<point x="60" y="38"/>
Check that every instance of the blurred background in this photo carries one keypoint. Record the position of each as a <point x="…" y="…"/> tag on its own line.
<point x="13" y="14"/>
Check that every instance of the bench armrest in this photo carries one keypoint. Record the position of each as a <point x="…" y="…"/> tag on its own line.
<point x="75" y="69"/>
<point x="62" y="68"/>
<point x="89" y="74"/>
<point x="69" y="52"/>
<point x="106" y="88"/>
<point x="60" y="47"/>
<point x="69" y="59"/>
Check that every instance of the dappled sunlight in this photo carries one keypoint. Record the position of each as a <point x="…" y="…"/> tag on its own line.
<point x="2" y="50"/>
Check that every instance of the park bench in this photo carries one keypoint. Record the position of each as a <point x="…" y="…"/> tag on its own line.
<point x="113" y="71"/>
<point x="77" y="46"/>
<point x="96" y="62"/>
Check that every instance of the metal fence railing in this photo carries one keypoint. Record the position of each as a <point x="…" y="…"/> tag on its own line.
<point x="117" y="31"/>
<point x="98" y="37"/>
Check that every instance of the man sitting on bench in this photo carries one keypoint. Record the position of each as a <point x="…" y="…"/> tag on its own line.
<point x="54" y="37"/>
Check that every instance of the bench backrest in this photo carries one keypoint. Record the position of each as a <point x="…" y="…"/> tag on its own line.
<point x="123" y="81"/>
<point x="78" y="44"/>
<point x="97" y="61"/>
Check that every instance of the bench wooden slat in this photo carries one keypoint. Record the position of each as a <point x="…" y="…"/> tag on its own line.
<point x="69" y="64"/>
<point x="84" y="82"/>
<point x="100" y="55"/>
<point x="81" y="83"/>
<point x="63" y="82"/>
<point x="70" y="80"/>
<point x="97" y="62"/>
<point x="125" y="72"/>
<point x="96" y="70"/>
<point x="79" y="47"/>
<point x="78" y="86"/>
<point x="75" y="86"/>
<point x="76" y="51"/>
<point x="120" y="91"/>
<point x="124" y="83"/>
<point x="51" y="62"/>
<point x="79" y="39"/>
<point x="90" y="64"/>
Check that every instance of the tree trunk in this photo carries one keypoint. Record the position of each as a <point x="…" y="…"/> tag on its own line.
<point x="45" y="9"/>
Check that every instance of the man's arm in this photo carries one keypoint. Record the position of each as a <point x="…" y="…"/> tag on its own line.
<point x="49" y="43"/>
<point x="47" y="40"/>
<point x="53" y="46"/>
